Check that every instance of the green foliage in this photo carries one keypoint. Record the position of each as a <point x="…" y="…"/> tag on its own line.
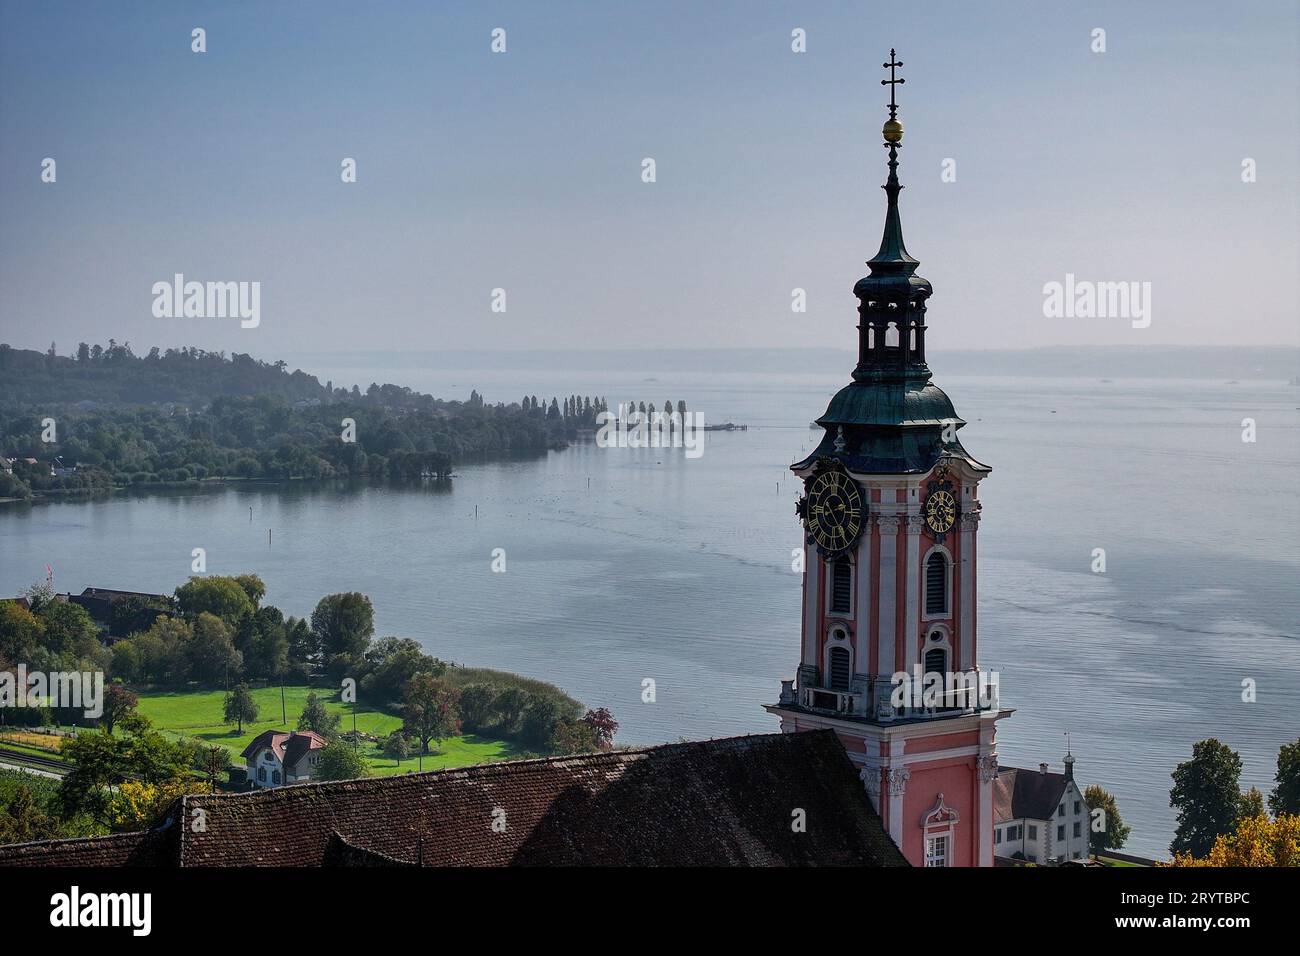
<point x="118" y="703"/>
<point x="344" y="623"/>
<point x="315" y="717"/>
<point x="537" y="727"/>
<point x="223" y="597"/>
<point x="104" y="761"/>
<point x="430" y="709"/>
<point x="1206" y="796"/>
<point x="397" y="746"/>
<point x="1251" y="805"/>
<point x="340" y="761"/>
<point x="186" y="415"/>
<point x="390" y="663"/>
<point x="1285" y="797"/>
<point x="240" y="707"/>
<point x="1114" y="834"/>
<point x="212" y="655"/>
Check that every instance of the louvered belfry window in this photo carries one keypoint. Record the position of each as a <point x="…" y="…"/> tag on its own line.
<point x="936" y="584"/>
<point x="839" y="668"/>
<point x="841" y="586"/>
<point x="935" y="660"/>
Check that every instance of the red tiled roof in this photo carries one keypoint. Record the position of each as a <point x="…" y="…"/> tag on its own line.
<point x="287" y="746"/>
<point x="715" y="802"/>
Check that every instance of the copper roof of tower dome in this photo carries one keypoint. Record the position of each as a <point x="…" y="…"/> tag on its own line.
<point x="715" y="802"/>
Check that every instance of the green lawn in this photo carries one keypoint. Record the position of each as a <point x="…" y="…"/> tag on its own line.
<point x="198" y="714"/>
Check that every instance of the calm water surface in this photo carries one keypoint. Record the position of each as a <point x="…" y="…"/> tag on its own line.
<point x="627" y="564"/>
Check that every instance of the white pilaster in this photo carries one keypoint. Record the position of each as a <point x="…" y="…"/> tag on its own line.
<point x="811" y="592"/>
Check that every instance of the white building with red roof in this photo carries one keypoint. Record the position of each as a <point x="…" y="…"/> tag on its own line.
<point x="276" y="757"/>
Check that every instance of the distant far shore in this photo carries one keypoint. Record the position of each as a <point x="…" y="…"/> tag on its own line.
<point x="1279" y="362"/>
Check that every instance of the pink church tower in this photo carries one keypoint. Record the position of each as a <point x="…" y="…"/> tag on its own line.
<point x="891" y="510"/>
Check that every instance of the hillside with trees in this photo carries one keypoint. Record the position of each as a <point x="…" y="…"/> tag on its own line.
<point x="187" y="415"/>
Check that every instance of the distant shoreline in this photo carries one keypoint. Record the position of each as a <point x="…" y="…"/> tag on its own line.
<point x="1281" y="362"/>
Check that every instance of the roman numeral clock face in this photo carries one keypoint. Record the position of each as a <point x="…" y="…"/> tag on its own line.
<point x="940" y="511"/>
<point x="833" y="511"/>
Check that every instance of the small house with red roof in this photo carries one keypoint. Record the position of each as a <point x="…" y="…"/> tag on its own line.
<point x="276" y="757"/>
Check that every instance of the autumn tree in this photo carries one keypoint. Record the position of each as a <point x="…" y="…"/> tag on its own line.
<point x="603" y="725"/>
<point x="1256" y="841"/>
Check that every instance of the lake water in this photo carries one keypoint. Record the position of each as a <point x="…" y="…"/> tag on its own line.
<point x="626" y="564"/>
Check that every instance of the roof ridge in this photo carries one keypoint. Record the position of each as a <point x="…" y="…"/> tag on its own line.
<point x="530" y="763"/>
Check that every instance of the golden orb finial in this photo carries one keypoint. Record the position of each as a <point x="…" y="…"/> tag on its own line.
<point x="892" y="131"/>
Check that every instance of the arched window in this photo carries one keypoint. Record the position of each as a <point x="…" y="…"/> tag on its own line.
<point x="891" y="336"/>
<point x="841" y="586"/>
<point x="936" y="584"/>
<point x="840" y="671"/>
<point x="936" y="661"/>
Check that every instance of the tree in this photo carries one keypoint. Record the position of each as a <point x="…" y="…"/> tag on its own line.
<point x="1206" y="796"/>
<point x="118" y="702"/>
<point x="391" y="662"/>
<point x="316" y="718"/>
<point x="240" y="707"/>
<point x="537" y="729"/>
<point x="1113" y="833"/>
<point x="21" y="632"/>
<point x="23" y="819"/>
<point x="135" y="805"/>
<point x="1251" y="805"/>
<point x="603" y="724"/>
<point x="102" y="763"/>
<point x="68" y="628"/>
<point x="211" y="652"/>
<point x="431" y="710"/>
<point x="212" y="762"/>
<point x="477" y="706"/>
<point x="1256" y="841"/>
<point x="1285" y="797"/>
<point x="222" y="596"/>
<point x="574" y="737"/>
<point x="253" y="587"/>
<point x="510" y="707"/>
<point x="396" y="747"/>
<point x="344" y="624"/>
<point x="340" y="761"/>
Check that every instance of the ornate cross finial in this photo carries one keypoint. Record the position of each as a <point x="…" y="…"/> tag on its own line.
<point x="892" y="65"/>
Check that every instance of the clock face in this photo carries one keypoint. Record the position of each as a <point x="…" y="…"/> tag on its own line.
<point x="834" y="511"/>
<point x="940" y="511"/>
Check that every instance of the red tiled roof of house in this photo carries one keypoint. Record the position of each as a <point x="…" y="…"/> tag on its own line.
<point x="287" y="746"/>
<point x="716" y="802"/>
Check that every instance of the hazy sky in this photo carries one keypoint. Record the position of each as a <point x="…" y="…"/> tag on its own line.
<point x="522" y="170"/>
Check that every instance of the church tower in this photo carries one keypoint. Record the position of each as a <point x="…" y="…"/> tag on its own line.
<point x="891" y="512"/>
